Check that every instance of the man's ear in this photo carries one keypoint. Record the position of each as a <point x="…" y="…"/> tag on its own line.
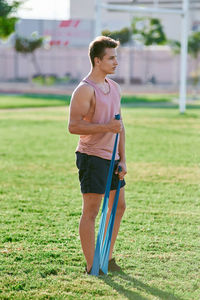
<point x="96" y="61"/>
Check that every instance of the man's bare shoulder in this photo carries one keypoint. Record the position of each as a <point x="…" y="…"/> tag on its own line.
<point x="81" y="100"/>
<point x="83" y="90"/>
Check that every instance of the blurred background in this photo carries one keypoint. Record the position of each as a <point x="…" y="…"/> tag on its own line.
<point x="44" y="44"/>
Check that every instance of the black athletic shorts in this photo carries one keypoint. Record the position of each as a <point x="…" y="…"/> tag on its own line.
<point x="93" y="173"/>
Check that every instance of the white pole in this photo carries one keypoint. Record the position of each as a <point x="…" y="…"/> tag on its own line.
<point x="184" y="51"/>
<point x="98" y="27"/>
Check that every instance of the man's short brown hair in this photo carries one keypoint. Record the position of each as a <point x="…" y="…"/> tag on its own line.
<point x="97" y="47"/>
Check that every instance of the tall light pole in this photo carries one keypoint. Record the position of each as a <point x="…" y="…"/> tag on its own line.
<point x="184" y="51"/>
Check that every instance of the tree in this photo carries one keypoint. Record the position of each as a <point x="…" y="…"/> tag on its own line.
<point x="148" y="31"/>
<point x="7" y="18"/>
<point x="122" y="35"/>
<point x="194" y="51"/>
<point x="194" y="44"/>
<point x="29" y="46"/>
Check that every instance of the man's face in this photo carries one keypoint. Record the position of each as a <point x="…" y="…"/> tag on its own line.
<point x="109" y="62"/>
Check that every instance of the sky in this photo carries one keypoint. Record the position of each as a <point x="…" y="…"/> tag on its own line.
<point x="45" y="9"/>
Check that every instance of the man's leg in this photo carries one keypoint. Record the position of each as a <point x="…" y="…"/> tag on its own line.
<point x="91" y="205"/>
<point x="119" y="214"/>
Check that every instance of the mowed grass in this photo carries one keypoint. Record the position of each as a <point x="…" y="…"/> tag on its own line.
<point x="39" y="100"/>
<point x="40" y="207"/>
<point x="32" y="100"/>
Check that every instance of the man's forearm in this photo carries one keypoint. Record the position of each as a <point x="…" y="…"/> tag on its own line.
<point x="122" y="146"/>
<point x="84" y="128"/>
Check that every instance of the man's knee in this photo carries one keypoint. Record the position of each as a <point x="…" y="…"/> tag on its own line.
<point x="121" y="208"/>
<point x="90" y="214"/>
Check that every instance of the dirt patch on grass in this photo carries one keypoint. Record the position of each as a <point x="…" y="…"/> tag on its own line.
<point x="155" y="172"/>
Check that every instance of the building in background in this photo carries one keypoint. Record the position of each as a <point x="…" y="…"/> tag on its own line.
<point x="74" y="32"/>
<point x="69" y="39"/>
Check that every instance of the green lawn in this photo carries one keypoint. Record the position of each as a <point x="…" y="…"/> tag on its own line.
<point x="40" y="206"/>
<point x="31" y="100"/>
<point x="34" y="100"/>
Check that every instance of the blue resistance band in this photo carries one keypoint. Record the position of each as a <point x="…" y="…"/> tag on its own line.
<point x="104" y="258"/>
<point x="99" y="244"/>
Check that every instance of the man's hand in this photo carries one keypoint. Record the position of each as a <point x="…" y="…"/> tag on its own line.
<point x="115" y="126"/>
<point x="123" y="172"/>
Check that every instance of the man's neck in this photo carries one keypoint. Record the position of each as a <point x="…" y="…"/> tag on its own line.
<point x="96" y="76"/>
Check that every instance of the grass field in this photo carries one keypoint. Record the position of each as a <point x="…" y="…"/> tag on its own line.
<point x="40" y="206"/>
<point x="38" y="100"/>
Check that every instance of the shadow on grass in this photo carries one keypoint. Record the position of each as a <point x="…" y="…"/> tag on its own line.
<point x="114" y="279"/>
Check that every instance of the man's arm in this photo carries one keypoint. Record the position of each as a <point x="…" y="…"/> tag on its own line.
<point x="80" y="105"/>
<point x="122" y="154"/>
<point x="122" y="146"/>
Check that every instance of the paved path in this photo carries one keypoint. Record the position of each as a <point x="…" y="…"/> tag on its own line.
<point x="22" y="88"/>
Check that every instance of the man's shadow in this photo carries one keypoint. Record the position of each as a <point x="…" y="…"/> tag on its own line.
<point x="116" y="277"/>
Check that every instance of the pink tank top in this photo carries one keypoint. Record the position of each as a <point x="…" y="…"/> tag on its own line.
<point x="107" y="106"/>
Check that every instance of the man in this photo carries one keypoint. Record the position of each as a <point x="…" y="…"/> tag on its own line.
<point x="94" y="104"/>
